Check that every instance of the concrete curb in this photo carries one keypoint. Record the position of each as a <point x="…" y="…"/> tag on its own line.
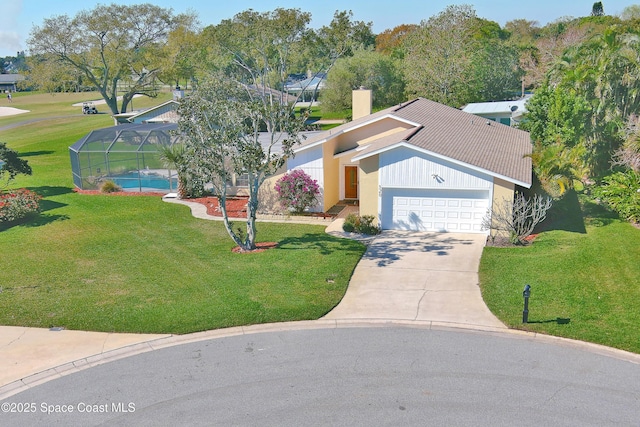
<point x="42" y="377"/>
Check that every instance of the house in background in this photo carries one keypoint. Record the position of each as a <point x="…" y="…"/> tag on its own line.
<point x="307" y="90"/>
<point x="420" y="165"/>
<point x="9" y="82"/>
<point x="167" y="112"/>
<point x="506" y="112"/>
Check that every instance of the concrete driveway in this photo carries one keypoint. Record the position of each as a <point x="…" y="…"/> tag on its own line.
<point x="419" y="276"/>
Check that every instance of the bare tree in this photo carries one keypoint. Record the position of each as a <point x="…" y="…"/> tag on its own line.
<point x="518" y="217"/>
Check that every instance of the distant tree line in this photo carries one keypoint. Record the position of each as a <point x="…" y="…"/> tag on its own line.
<point x="584" y="72"/>
<point x="454" y="57"/>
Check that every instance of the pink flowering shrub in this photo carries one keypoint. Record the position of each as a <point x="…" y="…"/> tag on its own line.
<point x="297" y="191"/>
<point x="17" y="204"/>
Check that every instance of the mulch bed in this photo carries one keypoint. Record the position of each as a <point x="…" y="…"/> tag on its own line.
<point x="236" y="206"/>
<point x="503" y="242"/>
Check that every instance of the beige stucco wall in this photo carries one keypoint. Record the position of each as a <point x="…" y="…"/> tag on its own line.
<point x="369" y="186"/>
<point x="331" y="174"/>
<point x="267" y="195"/>
<point x="502" y="190"/>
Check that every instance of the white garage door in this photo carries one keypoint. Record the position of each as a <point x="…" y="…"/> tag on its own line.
<point x="436" y="210"/>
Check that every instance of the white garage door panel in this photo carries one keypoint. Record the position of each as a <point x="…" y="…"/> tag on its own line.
<point x="452" y="211"/>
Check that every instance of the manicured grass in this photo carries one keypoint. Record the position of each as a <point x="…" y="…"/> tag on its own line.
<point x="137" y="264"/>
<point x="42" y="105"/>
<point x="584" y="277"/>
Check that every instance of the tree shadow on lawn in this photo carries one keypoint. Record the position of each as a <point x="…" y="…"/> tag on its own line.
<point x="49" y="191"/>
<point x="36" y="153"/>
<point x="565" y="214"/>
<point x="572" y="213"/>
<point x="33" y="220"/>
<point x="322" y="242"/>
<point x="558" y="320"/>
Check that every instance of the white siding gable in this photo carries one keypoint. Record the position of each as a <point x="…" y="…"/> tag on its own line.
<point x="406" y="168"/>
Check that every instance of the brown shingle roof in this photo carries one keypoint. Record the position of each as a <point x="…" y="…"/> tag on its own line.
<point x="449" y="132"/>
<point x="467" y="138"/>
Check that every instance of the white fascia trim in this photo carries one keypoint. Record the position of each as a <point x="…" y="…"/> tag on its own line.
<point x="345" y="153"/>
<point x="312" y="145"/>
<point x="440" y="156"/>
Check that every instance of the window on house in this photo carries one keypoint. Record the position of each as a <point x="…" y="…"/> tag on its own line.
<point x="238" y="180"/>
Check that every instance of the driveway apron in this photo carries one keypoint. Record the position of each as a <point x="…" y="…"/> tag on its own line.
<point x="419" y="276"/>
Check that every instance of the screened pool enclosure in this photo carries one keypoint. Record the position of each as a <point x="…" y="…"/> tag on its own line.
<point x="128" y="155"/>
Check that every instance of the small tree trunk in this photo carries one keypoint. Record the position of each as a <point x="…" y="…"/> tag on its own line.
<point x="222" y="202"/>
<point x="252" y="212"/>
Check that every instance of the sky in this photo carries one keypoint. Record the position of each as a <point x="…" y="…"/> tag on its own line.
<point x="20" y="16"/>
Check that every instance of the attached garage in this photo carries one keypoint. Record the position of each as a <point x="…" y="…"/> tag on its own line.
<point x="422" y="166"/>
<point x="434" y="210"/>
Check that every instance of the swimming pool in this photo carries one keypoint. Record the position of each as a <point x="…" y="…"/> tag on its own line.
<point x="140" y="181"/>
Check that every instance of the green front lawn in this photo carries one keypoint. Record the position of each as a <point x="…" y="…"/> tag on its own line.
<point x="137" y="264"/>
<point x="584" y="274"/>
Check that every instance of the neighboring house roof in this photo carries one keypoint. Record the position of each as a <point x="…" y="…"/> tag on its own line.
<point x="517" y="107"/>
<point x="11" y="78"/>
<point x="447" y="133"/>
<point x="312" y="83"/>
<point x="276" y="95"/>
<point x="163" y="113"/>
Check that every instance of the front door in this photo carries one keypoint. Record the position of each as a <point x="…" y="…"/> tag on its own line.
<point x="350" y="182"/>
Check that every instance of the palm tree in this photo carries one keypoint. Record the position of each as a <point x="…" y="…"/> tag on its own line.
<point x="558" y="167"/>
<point x="172" y="156"/>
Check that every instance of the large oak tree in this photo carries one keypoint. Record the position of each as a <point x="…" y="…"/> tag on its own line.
<point x="114" y="48"/>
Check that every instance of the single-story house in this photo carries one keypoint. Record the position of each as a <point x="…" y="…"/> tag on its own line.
<point x="8" y="82"/>
<point x="508" y="113"/>
<point x="419" y="165"/>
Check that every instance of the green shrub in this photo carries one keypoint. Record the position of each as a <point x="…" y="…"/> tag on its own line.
<point x="367" y="226"/>
<point x="360" y="224"/>
<point x="110" y="187"/>
<point x="621" y="192"/>
<point x="18" y="204"/>
<point x="350" y="223"/>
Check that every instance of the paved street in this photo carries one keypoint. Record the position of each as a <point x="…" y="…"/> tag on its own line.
<point x="345" y="376"/>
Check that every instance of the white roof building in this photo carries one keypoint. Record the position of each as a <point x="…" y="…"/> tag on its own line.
<point x="506" y="112"/>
